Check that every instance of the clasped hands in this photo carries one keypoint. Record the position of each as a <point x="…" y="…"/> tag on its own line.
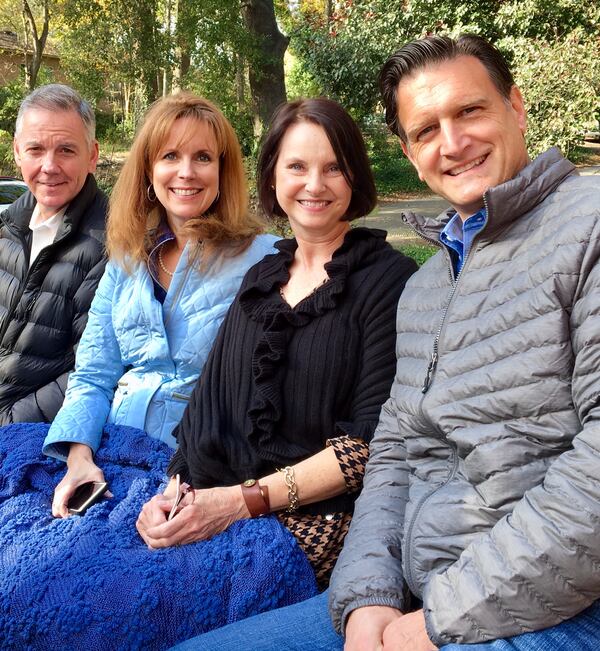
<point x="379" y="628"/>
<point x="210" y="513"/>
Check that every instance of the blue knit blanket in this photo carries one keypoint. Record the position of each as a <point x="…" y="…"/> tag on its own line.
<point x="90" y="583"/>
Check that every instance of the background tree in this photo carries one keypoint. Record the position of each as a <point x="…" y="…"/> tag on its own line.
<point x="29" y="20"/>
<point x="248" y="55"/>
<point x="267" y="81"/>
<point x="554" y="46"/>
<point x="35" y="39"/>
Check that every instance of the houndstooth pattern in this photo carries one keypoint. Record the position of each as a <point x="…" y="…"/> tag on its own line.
<point x="321" y="536"/>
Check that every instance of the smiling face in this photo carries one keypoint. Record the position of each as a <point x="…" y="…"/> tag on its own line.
<point x="309" y="185"/>
<point x="54" y="156"/>
<point x="185" y="174"/>
<point x="463" y="136"/>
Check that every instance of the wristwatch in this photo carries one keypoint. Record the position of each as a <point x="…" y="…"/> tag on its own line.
<point x="256" y="497"/>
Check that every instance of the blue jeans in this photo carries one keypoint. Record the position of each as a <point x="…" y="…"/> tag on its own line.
<point x="306" y="627"/>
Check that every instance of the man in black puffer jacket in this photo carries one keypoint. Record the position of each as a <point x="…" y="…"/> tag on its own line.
<point x="51" y="252"/>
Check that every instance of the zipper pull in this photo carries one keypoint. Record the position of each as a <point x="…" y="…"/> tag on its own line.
<point x="430" y="370"/>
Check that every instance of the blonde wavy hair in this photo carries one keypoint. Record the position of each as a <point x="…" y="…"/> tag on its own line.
<point x="226" y="228"/>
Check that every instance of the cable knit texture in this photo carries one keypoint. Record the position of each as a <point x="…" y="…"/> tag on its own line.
<point x="280" y="381"/>
<point x="482" y="495"/>
<point x="91" y="583"/>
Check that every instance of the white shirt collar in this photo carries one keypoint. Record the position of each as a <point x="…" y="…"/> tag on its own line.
<point x="36" y="222"/>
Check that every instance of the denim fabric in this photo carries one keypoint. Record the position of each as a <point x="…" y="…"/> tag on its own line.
<point x="306" y="627"/>
<point x="303" y="627"/>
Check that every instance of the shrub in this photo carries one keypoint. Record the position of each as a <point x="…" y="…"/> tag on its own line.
<point x="10" y="99"/>
<point x="392" y="170"/>
<point x="7" y="161"/>
<point x="560" y="82"/>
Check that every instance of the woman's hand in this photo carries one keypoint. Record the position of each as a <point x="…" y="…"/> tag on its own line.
<point x="212" y="511"/>
<point x="80" y="470"/>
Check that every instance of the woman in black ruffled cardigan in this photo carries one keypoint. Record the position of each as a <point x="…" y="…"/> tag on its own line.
<point x="282" y="415"/>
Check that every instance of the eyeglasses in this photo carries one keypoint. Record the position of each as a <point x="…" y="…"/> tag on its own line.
<point x="184" y="495"/>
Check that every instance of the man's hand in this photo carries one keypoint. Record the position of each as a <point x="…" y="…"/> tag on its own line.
<point x="213" y="510"/>
<point x="80" y="469"/>
<point x="365" y="627"/>
<point x="408" y="634"/>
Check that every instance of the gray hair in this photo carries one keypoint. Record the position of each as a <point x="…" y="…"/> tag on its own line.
<point x="59" y="97"/>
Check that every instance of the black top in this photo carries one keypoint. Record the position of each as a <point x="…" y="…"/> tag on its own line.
<point x="280" y="381"/>
<point x="43" y="308"/>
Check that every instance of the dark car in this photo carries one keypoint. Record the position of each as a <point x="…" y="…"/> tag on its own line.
<point x="10" y="190"/>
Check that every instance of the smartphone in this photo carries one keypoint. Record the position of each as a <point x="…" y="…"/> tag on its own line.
<point x="86" y="495"/>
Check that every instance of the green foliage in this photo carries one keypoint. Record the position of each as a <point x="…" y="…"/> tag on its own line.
<point x="435" y="16"/>
<point x="123" y="55"/>
<point x="300" y="82"/>
<point x="420" y="253"/>
<point x="7" y="161"/>
<point x="560" y="82"/>
<point x="111" y="39"/>
<point x="392" y="170"/>
<point x="342" y="56"/>
<point x="112" y="132"/>
<point x="554" y="47"/>
<point x="11" y="96"/>
<point x="547" y="20"/>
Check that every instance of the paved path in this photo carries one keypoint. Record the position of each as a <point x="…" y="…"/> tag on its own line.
<point x="388" y="214"/>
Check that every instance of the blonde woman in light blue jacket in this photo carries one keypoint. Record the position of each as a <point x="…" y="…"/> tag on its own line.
<point x="180" y="240"/>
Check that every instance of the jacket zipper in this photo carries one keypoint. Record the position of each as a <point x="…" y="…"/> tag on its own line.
<point x="409" y="573"/>
<point x="435" y="353"/>
<point x="408" y="569"/>
<point x="9" y="316"/>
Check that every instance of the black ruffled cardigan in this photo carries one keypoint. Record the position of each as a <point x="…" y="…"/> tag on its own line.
<point x="280" y="381"/>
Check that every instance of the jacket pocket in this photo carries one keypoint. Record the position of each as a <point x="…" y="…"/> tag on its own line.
<point x="120" y="403"/>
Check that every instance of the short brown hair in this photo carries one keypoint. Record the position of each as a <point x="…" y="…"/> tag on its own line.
<point x="434" y="49"/>
<point x="133" y="217"/>
<point x="346" y="141"/>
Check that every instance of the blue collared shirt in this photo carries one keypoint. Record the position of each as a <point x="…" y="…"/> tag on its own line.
<point x="458" y="236"/>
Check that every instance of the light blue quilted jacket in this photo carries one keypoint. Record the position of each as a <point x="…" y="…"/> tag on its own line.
<point x="138" y="360"/>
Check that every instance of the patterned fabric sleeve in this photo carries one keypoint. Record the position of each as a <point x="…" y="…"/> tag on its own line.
<point x="352" y="455"/>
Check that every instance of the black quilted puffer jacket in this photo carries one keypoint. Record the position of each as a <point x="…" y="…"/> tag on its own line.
<point x="43" y="309"/>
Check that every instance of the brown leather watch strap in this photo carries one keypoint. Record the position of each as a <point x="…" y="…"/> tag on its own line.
<point x="256" y="497"/>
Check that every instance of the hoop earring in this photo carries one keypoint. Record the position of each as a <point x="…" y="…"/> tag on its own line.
<point x="152" y="198"/>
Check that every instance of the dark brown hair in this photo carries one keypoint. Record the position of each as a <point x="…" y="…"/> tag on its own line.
<point x="346" y="141"/>
<point x="435" y="49"/>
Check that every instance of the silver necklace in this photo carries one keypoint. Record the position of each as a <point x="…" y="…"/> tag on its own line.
<point x="161" y="261"/>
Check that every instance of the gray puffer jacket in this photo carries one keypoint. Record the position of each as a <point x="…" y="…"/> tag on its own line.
<point x="482" y="492"/>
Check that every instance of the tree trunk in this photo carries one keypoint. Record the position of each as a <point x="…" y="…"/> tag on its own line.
<point x="184" y="35"/>
<point x="267" y="81"/>
<point x="240" y="81"/>
<point x="33" y="63"/>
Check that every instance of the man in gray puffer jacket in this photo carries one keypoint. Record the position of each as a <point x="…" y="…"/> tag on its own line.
<point x="482" y="493"/>
<point x="479" y="519"/>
